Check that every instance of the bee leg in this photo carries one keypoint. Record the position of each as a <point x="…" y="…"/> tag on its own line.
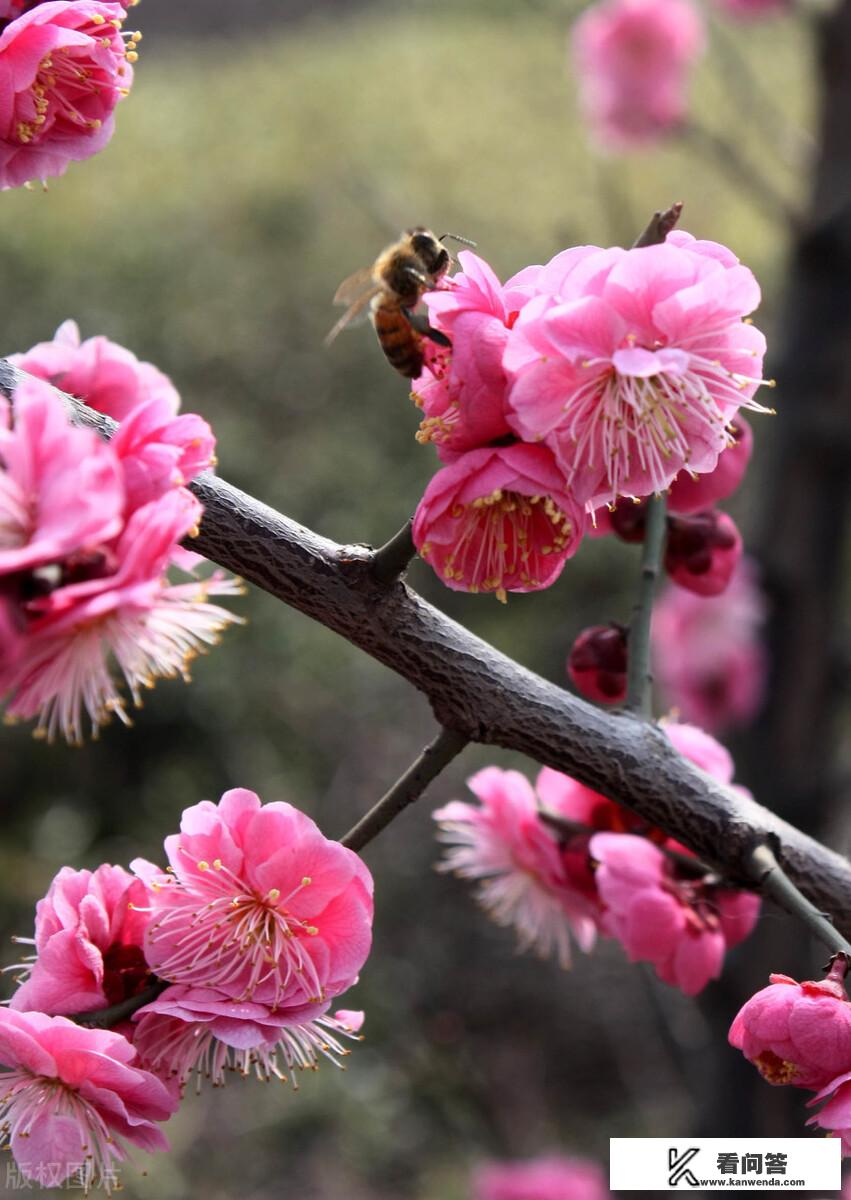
<point x="419" y="322"/>
<point x="421" y="279"/>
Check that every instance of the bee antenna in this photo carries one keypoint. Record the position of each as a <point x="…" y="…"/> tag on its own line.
<point x="456" y="237"/>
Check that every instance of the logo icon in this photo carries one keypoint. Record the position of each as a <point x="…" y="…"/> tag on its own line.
<point x="678" y="1166"/>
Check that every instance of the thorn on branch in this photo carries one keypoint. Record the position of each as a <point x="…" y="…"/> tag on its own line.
<point x="437" y="755"/>
<point x="391" y="559"/>
<point x="659" y="226"/>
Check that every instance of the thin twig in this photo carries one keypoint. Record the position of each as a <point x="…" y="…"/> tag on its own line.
<point x="105" y="1018"/>
<point x="639" y="678"/>
<point x="727" y="155"/>
<point x="774" y="882"/>
<point x="437" y="755"/>
<point x="567" y="829"/>
<point x="659" y="226"/>
<point x="391" y="559"/>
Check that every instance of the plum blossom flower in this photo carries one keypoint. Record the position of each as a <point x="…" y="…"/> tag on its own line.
<point x="835" y="1115"/>
<point x="190" y="1031"/>
<point x="551" y="1177"/>
<point x="597" y="663"/>
<point x="159" y="448"/>
<point x="71" y="1097"/>
<point x="523" y="878"/>
<point x="105" y="375"/>
<point x="259" y="905"/>
<point x="798" y="1033"/>
<point x="64" y="66"/>
<point x="61" y="489"/>
<point x="708" y="654"/>
<point x="83" y="567"/>
<point x="631" y="364"/>
<point x="632" y="60"/>
<point x="680" y="923"/>
<point x="114" y="603"/>
<point x="701" y="748"/>
<point x="499" y="520"/>
<point x="462" y="388"/>
<point x="89" y="930"/>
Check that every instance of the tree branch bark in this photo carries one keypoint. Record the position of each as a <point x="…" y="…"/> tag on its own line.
<point x="488" y="698"/>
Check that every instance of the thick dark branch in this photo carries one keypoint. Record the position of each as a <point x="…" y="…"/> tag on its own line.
<point x="437" y="755"/>
<point x="489" y="698"/>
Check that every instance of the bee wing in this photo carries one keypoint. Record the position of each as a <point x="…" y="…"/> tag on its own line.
<point x="355" y="312"/>
<point x="352" y="288"/>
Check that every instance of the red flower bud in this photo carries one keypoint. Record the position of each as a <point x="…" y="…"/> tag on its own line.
<point x="597" y="663"/>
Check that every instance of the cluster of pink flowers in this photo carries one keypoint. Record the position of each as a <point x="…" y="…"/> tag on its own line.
<point x="606" y="374"/>
<point x="558" y="861"/>
<point x="553" y="1177"/>
<point x="230" y="960"/>
<point x="64" y="65"/>
<point x="800" y="1034"/>
<point x="88" y="532"/>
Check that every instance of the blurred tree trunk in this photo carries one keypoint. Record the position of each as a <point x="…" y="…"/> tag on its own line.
<point x="790" y="758"/>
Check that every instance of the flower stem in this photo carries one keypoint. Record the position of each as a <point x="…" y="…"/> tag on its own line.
<point x="105" y="1018"/>
<point x="639" y="678"/>
<point x="774" y="882"/>
<point x="437" y="755"/>
<point x="391" y="559"/>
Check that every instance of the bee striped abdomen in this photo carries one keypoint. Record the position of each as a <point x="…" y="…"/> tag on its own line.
<point x="401" y="343"/>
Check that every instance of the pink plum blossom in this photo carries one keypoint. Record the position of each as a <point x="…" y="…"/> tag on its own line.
<point x="632" y="60"/>
<point x="115" y="603"/>
<point x="552" y="1177"/>
<point x="109" y="378"/>
<point x="708" y="654"/>
<point x="700" y="748"/>
<point x="89" y="930"/>
<point x="798" y="1033"/>
<point x="522" y="876"/>
<point x="632" y="364"/>
<point x="190" y="1031"/>
<point x="158" y="448"/>
<point x="597" y="663"/>
<point x="835" y="1115"/>
<point x="71" y="1097"/>
<point x="499" y="520"/>
<point x="64" y="66"/>
<point x="679" y="922"/>
<point x="61" y="489"/>
<point x="462" y="388"/>
<point x="702" y="552"/>
<point x="259" y="905"/>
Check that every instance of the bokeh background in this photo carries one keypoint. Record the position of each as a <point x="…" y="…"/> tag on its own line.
<point x="269" y="149"/>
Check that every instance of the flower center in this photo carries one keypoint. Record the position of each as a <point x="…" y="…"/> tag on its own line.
<point x="774" y="1069"/>
<point x="499" y="537"/>
<point x="238" y="941"/>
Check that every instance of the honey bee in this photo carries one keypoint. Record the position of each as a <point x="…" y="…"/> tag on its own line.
<point x="389" y="291"/>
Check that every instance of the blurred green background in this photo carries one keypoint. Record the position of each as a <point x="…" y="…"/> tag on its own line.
<point x="248" y="176"/>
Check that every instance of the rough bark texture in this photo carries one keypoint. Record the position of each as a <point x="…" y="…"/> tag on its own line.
<point x="489" y="698"/>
